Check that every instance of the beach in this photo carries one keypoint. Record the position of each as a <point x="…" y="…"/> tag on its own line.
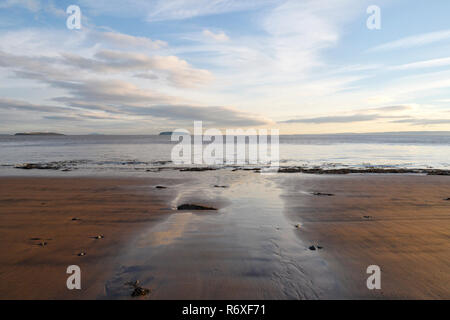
<point x="255" y="246"/>
<point x="67" y="215"/>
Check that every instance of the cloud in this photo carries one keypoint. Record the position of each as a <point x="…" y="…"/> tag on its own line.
<point x="413" y="41"/>
<point x="179" y="72"/>
<point x="423" y="64"/>
<point x="110" y="92"/>
<point x="181" y="114"/>
<point x="162" y="10"/>
<point x="389" y="108"/>
<point x="362" y="115"/>
<point x="8" y="104"/>
<point x="126" y="41"/>
<point x="185" y="9"/>
<point x="32" y="5"/>
<point x="220" y="36"/>
<point x="423" y="122"/>
<point x="176" y="71"/>
<point x="212" y="115"/>
<point x="112" y="99"/>
<point x="335" y="119"/>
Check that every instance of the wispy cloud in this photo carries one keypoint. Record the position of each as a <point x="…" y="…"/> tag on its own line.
<point x="423" y="122"/>
<point x="163" y="10"/>
<point x="185" y="9"/>
<point x="335" y="119"/>
<point x="433" y="63"/>
<point x="126" y="41"/>
<point x="32" y="5"/>
<point x="413" y="41"/>
<point x="8" y="104"/>
<point x="362" y="115"/>
<point x="219" y="36"/>
<point x="212" y="115"/>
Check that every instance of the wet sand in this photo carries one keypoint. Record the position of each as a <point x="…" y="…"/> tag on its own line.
<point x="43" y="208"/>
<point x="399" y="222"/>
<point x="250" y="248"/>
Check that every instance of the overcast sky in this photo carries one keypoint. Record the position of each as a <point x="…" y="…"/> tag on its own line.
<point x="140" y="67"/>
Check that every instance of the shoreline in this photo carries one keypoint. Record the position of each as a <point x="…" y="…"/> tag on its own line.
<point x="254" y="247"/>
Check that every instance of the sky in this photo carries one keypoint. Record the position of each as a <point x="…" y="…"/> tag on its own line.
<point x="145" y="66"/>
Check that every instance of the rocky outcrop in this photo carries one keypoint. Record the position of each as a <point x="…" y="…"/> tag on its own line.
<point x="194" y="207"/>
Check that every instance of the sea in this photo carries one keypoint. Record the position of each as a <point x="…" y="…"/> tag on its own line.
<point x="126" y="154"/>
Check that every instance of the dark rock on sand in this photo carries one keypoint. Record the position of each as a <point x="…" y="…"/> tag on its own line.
<point x="76" y="219"/>
<point x="367" y="217"/>
<point x="160" y="187"/>
<point x="194" y="207"/>
<point x="323" y="194"/>
<point x="138" y="291"/>
<point x="218" y="186"/>
<point x="448" y="199"/>
<point x="313" y="248"/>
<point x="198" y="169"/>
<point x="364" y="170"/>
<point x="100" y="236"/>
<point x="162" y="162"/>
<point x="82" y="254"/>
<point x="45" y="166"/>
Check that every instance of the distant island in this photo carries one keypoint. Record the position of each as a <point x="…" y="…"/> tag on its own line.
<point x="38" y="134"/>
<point x="169" y="133"/>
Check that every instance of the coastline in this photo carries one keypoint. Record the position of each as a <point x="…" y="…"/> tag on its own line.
<point x="251" y="248"/>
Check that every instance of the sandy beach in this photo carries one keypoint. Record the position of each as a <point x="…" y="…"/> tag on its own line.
<point x="37" y="210"/>
<point x="255" y="246"/>
<point x="399" y="222"/>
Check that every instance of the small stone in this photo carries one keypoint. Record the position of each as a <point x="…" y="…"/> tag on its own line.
<point x="42" y="243"/>
<point x="312" y="248"/>
<point x="297" y="226"/>
<point x="448" y="199"/>
<point x="100" y="236"/>
<point x="323" y="194"/>
<point x="82" y="254"/>
<point x="76" y="219"/>
<point x="139" y="291"/>
<point x="161" y="187"/>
